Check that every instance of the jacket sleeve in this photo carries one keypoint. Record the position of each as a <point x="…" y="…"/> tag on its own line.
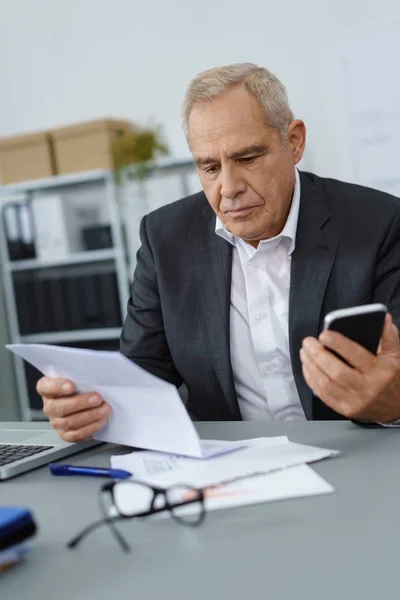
<point x="387" y="284"/>
<point x="387" y="270"/>
<point x="143" y="337"/>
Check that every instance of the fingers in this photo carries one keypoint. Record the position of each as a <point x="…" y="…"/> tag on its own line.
<point x="390" y="337"/>
<point x="79" y="435"/>
<point x="369" y="388"/>
<point x="326" y="388"/>
<point x="54" y="387"/>
<point x="78" y="420"/>
<point x="61" y="407"/>
<point x="330" y="378"/>
<point x="353" y="353"/>
<point x="314" y="352"/>
<point x="75" y="417"/>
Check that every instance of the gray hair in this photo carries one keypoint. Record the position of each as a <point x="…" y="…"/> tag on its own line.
<point x="259" y="82"/>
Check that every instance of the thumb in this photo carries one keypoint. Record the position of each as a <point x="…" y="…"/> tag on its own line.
<point x="390" y="336"/>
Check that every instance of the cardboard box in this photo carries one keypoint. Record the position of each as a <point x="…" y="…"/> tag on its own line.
<point x="86" y="146"/>
<point x="25" y="157"/>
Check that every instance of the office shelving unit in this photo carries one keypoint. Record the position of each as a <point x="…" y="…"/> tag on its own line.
<point x="103" y="187"/>
<point x="98" y="183"/>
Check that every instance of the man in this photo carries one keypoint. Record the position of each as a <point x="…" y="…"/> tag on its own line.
<point x="231" y="285"/>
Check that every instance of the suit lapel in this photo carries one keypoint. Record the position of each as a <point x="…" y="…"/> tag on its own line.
<point x="213" y="266"/>
<point x="317" y="239"/>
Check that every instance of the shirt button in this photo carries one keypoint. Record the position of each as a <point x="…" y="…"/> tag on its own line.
<point x="282" y="417"/>
<point x="269" y="368"/>
<point x="259" y="316"/>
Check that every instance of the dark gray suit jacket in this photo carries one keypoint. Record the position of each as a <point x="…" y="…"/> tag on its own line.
<point x="347" y="253"/>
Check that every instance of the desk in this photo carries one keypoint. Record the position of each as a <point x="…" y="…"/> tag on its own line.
<point x="343" y="546"/>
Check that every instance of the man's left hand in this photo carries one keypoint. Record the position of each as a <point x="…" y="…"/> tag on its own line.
<point x="370" y="391"/>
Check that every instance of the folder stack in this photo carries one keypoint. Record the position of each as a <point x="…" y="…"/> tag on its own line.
<point x="19" y="229"/>
<point x="51" y="301"/>
<point x="17" y="525"/>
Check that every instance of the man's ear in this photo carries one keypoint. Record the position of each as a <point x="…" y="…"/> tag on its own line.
<point x="297" y="139"/>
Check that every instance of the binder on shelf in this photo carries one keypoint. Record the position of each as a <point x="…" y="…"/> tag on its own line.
<point x="26" y="231"/>
<point x="57" y="299"/>
<point x="54" y="225"/>
<point x="73" y="304"/>
<point x="11" y="228"/>
<point x="23" y="290"/>
<point x="109" y="297"/>
<point x="19" y="231"/>
<point x="40" y="306"/>
<point x="90" y="308"/>
<point x="48" y="306"/>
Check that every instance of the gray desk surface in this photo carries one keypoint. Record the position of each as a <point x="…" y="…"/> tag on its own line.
<point x="343" y="546"/>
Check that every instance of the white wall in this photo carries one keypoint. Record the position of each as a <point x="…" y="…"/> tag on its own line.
<point x="65" y="61"/>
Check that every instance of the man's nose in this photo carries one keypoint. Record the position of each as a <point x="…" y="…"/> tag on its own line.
<point x="232" y="184"/>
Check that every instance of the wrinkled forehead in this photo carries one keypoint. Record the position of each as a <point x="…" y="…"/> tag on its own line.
<point x="227" y="123"/>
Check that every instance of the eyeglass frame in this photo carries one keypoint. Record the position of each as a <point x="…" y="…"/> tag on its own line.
<point x="157" y="491"/>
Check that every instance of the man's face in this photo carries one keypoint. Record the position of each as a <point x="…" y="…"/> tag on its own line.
<point x="246" y="171"/>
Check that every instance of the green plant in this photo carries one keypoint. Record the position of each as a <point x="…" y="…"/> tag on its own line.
<point x="134" y="152"/>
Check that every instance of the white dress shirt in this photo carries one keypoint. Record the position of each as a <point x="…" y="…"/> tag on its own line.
<point x="259" y="324"/>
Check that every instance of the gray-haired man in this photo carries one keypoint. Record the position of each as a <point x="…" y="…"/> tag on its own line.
<point x="232" y="284"/>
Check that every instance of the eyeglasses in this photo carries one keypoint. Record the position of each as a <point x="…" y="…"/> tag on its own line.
<point x="122" y="500"/>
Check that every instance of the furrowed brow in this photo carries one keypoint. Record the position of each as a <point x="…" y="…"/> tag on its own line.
<point x="248" y="151"/>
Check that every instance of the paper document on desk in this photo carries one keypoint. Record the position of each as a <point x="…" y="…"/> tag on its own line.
<point x="261" y="459"/>
<point x="294" y="482"/>
<point x="145" y="463"/>
<point x="147" y="412"/>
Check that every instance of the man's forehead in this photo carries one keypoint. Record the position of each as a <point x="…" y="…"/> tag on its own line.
<point x="209" y="135"/>
<point x="216" y="141"/>
<point x="213" y="124"/>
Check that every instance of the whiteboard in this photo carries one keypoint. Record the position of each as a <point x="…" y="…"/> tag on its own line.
<point x="370" y="68"/>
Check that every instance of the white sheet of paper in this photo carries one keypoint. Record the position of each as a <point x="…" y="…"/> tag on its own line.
<point x="147" y="412"/>
<point x="141" y="464"/>
<point x="251" y="461"/>
<point x="293" y="482"/>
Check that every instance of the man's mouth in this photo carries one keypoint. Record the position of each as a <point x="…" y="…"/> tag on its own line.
<point x="240" y="212"/>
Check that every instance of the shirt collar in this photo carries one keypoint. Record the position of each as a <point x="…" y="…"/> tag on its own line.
<point x="289" y="230"/>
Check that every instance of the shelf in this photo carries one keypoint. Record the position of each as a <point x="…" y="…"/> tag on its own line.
<point x="88" y="256"/>
<point x="80" y="335"/>
<point x="55" y="181"/>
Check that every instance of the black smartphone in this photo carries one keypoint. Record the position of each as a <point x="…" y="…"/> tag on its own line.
<point x="362" y="324"/>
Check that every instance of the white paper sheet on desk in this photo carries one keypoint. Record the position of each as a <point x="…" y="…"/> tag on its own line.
<point x="257" y="460"/>
<point x="293" y="482"/>
<point x="142" y="464"/>
<point x="147" y="412"/>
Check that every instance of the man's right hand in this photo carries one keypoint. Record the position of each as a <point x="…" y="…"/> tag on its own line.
<point x="75" y="417"/>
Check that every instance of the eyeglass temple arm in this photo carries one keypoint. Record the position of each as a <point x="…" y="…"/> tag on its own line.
<point x="111" y="523"/>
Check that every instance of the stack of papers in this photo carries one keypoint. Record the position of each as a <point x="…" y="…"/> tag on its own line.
<point x="145" y="464"/>
<point x="266" y="470"/>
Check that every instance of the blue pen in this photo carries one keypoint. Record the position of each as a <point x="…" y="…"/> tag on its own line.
<point x="61" y="469"/>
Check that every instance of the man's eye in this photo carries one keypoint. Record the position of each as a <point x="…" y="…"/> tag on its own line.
<point x="247" y="160"/>
<point x="210" y="169"/>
